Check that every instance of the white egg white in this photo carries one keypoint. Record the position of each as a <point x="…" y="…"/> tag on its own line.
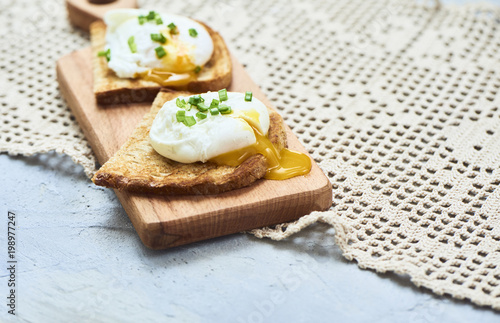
<point x="124" y="23"/>
<point x="209" y="137"/>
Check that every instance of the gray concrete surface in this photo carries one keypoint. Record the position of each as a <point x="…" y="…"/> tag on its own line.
<point x="80" y="260"/>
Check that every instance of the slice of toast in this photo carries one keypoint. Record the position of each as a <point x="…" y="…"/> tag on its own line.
<point x="111" y="89"/>
<point x="138" y="167"/>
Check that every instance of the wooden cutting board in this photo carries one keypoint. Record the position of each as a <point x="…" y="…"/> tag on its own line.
<point x="167" y="221"/>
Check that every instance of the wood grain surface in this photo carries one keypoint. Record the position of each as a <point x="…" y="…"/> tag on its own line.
<point x="167" y="221"/>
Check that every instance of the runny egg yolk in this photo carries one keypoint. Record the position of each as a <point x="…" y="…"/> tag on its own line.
<point x="178" y="66"/>
<point x="281" y="165"/>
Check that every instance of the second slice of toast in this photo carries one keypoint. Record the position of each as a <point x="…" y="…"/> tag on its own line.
<point x="111" y="89"/>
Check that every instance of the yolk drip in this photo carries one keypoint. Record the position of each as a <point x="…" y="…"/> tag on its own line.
<point x="281" y="165"/>
<point x="167" y="78"/>
<point x="178" y="67"/>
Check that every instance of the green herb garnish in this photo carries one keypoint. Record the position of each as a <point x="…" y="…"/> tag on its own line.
<point x="151" y="15"/>
<point x="214" y="104"/>
<point x="193" y="32"/>
<point x="132" y="45"/>
<point x="248" y="96"/>
<point x="189" y="121"/>
<point x="180" y="103"/>
<point x="194" y="100"/>
<point x="223" y="95"/>
<point x="173" y="28"/>
<point x="105" y="53"/>
<point x="180" y="115"/>
<point x="225" y="109"/>
<point x="160" y="51"/>
<point x="201" y="115"/>
<point x="202" y="107"/>
<point x="159" y="38"/>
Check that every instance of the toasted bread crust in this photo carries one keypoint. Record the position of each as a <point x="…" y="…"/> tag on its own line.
<point x="111" y="89"/>
<point x="138" y="167"/>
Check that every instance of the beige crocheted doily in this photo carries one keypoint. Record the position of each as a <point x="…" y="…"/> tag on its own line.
<point x="397" y="101"/>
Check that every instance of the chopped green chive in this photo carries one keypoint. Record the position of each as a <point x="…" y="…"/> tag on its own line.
<point x="248" y="96"/>
<point x="214" y="104"/>
<point x="180" y="103"/>
<point x="132" y="45"/>
<point x="201" y="115"/>
<point x="151" y="15"/>
<point x="193" y="32"/>
<point x="223" y="95"/>
<point x="105" y="53"/>
<point x="189" y="121"/>
<point x="228" y="111"/>
<point x="160" y="51"/>
<point x="214" y="111"/>
<point x="224" y="107"/>
<point x="202" y="107"/>
<point x="173" y="28"/>
<point x="194" y="100"/>
<point x="159" y="38"/>
<point x="197" y="69"/>
<point x="180" y="115"/>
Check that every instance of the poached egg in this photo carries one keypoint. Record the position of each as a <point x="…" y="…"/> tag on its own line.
<point x="160" y="47"/>
<point x="225" y="139"/>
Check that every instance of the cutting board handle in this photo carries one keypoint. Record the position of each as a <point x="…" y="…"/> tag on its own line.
<point x="81" y="13"/>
